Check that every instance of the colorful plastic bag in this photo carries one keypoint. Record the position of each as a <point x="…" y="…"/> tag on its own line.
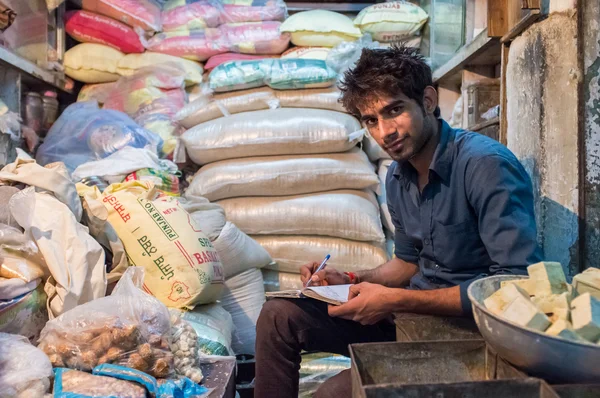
<point x="255" y="37"/>
<point x="135" y="13"/>
<point x="88" y="27"/>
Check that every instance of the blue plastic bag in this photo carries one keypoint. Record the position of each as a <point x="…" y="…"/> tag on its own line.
<point x="84" y="133"/>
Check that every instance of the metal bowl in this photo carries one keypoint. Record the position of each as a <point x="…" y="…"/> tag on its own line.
<point x="552" y="358"/>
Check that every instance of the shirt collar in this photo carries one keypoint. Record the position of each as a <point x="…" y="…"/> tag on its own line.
<point x="442" y="158"/>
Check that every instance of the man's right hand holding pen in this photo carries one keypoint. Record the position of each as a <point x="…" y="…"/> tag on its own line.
<point x="327" y="276"/>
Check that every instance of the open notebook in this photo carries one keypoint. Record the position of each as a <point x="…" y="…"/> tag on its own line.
<point x="335" y="294"/>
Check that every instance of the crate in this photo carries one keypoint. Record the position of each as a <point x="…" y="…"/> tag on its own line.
<point x="434" y="362"/>
<point x="416" y="327"/>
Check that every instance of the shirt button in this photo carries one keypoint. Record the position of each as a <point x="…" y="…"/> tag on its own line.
<point x="427" y="242"/>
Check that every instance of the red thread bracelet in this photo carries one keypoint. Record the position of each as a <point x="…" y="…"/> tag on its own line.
<point x="352" y="277"/>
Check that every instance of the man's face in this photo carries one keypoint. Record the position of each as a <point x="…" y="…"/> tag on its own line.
<point x="399" y="125"/>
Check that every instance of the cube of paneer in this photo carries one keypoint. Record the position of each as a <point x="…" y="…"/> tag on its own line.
<point x="498" y="301"/>
<point x="556" y="306"/>
<point x="548" y="278"/>
<point x="585" y="316"/>
<point x="523" y="312"/>
<point x="588" y="282"/>
<point x="525" y="284"/>
<point x="563" y="329"/>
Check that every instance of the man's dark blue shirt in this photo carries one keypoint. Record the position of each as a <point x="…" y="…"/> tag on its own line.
<point x="474" y="218"/>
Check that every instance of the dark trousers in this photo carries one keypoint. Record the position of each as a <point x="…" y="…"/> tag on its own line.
<point x="288" y="326"/>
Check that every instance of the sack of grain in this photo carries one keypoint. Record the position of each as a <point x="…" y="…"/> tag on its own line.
<point x="289" y="253"/>
<point x="372" y="148"/>
<point x="386" y="218"/>
<point x="130" y="63"/>
<point x="218" y="105"/>
<point x="307" y="53"/>
<point x="284" y="175"/>
<point x="210" y="217"/>
<point x="320" y="28"/>
<point x="238" y="252"/>
<point x="391" y="21"/>
<point x="92" y="63"/>
<point x="135" y="13"/>
<point x="345" y="214"/>
<point x="243" y="297"/>
<point x="272" y="132"/>
<point x="275" y="281"/>
<point x="182" y="267"/>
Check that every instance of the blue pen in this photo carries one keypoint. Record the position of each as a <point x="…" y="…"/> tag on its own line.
<point x="319" y="269"/>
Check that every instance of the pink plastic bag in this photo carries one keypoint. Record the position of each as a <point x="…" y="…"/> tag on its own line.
<point x="217" y="60"/>
<point x="256" y="37"/>
<point x="135" y="13"/>
<point x="187" y="15"/>
<point x="197" y="45"/>
<point x="257" y="11"/>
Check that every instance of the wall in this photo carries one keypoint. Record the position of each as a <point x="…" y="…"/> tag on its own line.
<point x="542" y="128"/>
<point x="590" y="23"/>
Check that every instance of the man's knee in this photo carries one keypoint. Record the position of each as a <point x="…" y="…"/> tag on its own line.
<point x="339" y="385"/>
<point x="275" y="313"/>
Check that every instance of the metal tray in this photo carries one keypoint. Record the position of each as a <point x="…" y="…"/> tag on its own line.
<point x="527" y="388"/>
<point x="433" y="362"/>
<point x="416" y="327"/>
<point x="551" y="358"/>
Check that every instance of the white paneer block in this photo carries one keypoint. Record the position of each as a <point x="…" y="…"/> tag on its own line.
<point x="556" y="306"/>
<point x="563" y="329"/>
<point x="588" y="282"/>
<point x="498" y="301"/>
<point x="523" y="312"/>
<point x="548" y="278"/>
<point x="525" y="284"/>
<point x="585" y="315"/>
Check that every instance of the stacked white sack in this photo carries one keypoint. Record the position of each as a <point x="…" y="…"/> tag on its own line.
<point x="290" y="177"/>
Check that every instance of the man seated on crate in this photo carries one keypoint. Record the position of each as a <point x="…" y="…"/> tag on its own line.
<point x="462" y="207"/>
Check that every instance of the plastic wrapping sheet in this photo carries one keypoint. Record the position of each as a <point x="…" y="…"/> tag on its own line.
<point x="243" y="298"/>
<point x="280" y="74"/>
<point x="200" y="14"/>
<point x="275" y="281"/>
<point x="284" y="175"/>
<point x="347" y="214"/>
<point x="210" y="107"/>
<point x="214" y="327"/>
<point x="289" y="253"/>
<point x="386" y="218"/>
<point x="317" y="368"/>
<point x="272" y="132"/>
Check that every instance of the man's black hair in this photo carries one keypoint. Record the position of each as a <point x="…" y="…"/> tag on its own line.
<point x="386" y="72"/>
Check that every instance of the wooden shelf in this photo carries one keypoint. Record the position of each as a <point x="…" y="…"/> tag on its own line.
<point x="33" y="71"/>
<point x="482" y="125"/>
<point x="482" y="50"/>
<point x="521" y="26"/>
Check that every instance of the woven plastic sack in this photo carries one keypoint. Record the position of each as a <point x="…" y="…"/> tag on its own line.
<point x="197" y="45"/>
<point x="219" y="59"/>
<point x="135" y="13"/>
<point x="386" y="218"/>
<point x="95" y="92"/>
<point x="92" y="63"/>
<point x="129" y="327"/>
<point x="280" y="74"/>
<point x="284" y="175"/>
<point x="84" y="133"/>
<point x="243" y="297"/>
<point x="206" y="108"/>
<point x="200" y="14"/>
<point x="275" y="281"/>
<point x="209" y="216"/>
<point x="391" y="21"/>
<point x="255" y="37"/>
<point x="239" y="252"/>
<point x="344" y="214"/>
<point x="272" y="132"/>
<point x="289" y="253"/>
<point x="214" y="328"/>
<point x="182" y="267"/>
<point x="307" y="53"/>
<point x="26" y="370"/>
<point x="320" y="28"/>
<point x="130" y="63"/>
<point x="88" y="27"/>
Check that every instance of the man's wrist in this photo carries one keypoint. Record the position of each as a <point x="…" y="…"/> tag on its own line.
<point x="351" y="277"/>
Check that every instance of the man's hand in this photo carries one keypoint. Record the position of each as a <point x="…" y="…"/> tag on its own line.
<point x="368" y="303"/>
<point x="327" y="276"/>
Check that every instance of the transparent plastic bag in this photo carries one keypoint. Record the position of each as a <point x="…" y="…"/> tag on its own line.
<point x="84" y="133"/>
<point x="345" y="55"/>
<point x="25" y="369"/>
<point x="128" y="328"/>
<point x="214" y="327"/>
<point x="184" y="346"/>
<point x="19" y="256"/>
